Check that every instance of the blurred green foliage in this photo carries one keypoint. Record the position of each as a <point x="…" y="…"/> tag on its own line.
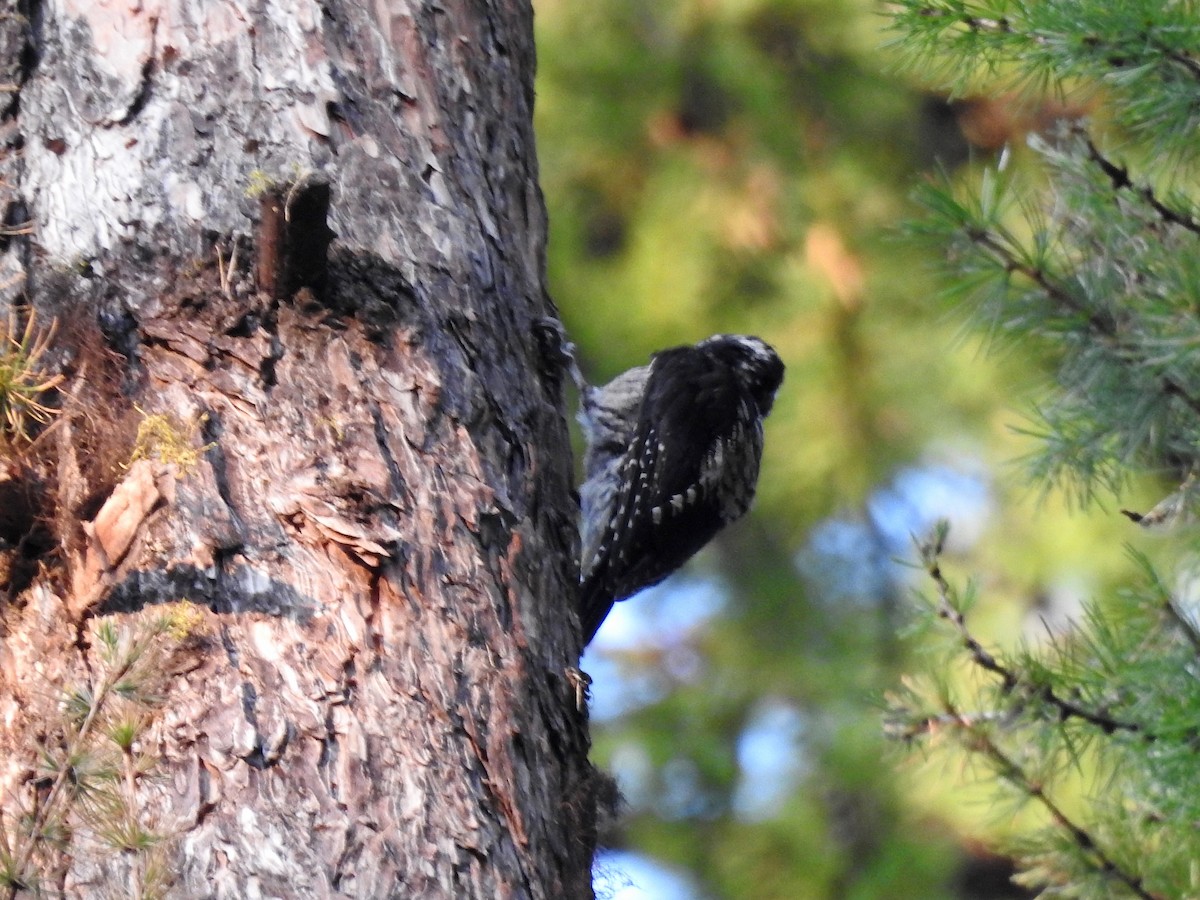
<point x="746" y="165"/>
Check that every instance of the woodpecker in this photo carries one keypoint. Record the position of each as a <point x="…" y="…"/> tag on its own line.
<point x="673" y="451"/>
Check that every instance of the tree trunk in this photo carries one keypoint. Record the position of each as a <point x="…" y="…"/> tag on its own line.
<point x="346" y="463"/>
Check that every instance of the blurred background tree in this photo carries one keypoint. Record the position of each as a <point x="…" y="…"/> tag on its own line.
<point x="746" y="165"/>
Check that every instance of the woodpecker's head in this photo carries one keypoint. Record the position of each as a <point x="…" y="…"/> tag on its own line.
<point x="754" y="360"/>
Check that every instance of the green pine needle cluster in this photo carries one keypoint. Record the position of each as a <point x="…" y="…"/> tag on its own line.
<point x="1140" y="53"/>
<point x="1102" y="273"/>
<point x="23" y="381"/>
<point x="1109" y="711"/>
<point x="84" y="797"/>
<point x="1093" y="260"/>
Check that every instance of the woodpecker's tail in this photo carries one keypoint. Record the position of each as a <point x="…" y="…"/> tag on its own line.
<point x="594" y="606"/>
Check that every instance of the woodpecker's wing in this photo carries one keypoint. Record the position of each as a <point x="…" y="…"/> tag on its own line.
<point x="609" y="417"/>
<point x="690" y="469"/>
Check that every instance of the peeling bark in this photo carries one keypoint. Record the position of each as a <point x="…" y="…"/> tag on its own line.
<point x="375" y="517"/>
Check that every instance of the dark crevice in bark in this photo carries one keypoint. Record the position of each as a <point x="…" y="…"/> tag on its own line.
<point x="259" y="757"/>
<point x="26" y="511"/>
<point x="16" y="234"/>
<point x="382" y="441"/>
<point x="293" y="239"/>
<point x="210" y="433"/>
<point x="349" y="683"/>
<point x="399" y="573"/>
<point x="206" y="803"/>
<point x="372" y="616"/>
<point x="249" y="699"/>
<point x="555" y="354"/>
<point x="15" y="226"/>
<point x="495" y="530"/>
<point x="346" y="858"/>
<point x="373" y="291"/>
<point x="142" y="97"/>
<point x="339" y="115"/>
<point x="267" y="368"/>
<point x="20" y="42"/>
<point x="328" y="757"/>
<point x="120" y="329"/>
<point x="493" y="533"/>
<point x="245" y="325"/>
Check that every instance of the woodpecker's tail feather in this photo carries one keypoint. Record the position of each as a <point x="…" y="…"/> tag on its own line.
<point x="594" y="607"/>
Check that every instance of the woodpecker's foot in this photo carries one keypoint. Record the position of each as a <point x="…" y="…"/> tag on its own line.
<point x="556" y="350"/>
<point x="582" y="683"/>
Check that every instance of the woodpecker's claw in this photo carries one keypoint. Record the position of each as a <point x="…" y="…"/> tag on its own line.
<point x="582" y="683"/>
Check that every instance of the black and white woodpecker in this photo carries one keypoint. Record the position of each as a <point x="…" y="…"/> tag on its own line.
<point x="673" y="451"/>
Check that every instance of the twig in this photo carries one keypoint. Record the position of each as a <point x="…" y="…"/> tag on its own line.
<point x="1119" y="176"/>
<point x="1010" y="680"/>
<point x="988" y="240"/>
<point x="931" y="724"/>
<point x="1011" y="771"/>
<point x="1106" y="328"/>
<point x="1181" y="59"/>
<point x="49" y="806"/>
<point x="136" y="873"/>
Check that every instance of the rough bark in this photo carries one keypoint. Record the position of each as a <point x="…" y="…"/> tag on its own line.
<point x="372" y="511"/>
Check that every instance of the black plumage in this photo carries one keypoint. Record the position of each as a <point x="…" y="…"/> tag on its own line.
<point x="673" y="457"/>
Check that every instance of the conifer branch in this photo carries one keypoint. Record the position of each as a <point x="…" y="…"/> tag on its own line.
<point x="1181" y="59"/>
<point x="1185" y="624"/>
<point x="1012" y="772"/>
<point x="1003" y="26"/>
<point x="987" y="240"/>
<point x="935" y="722"/>
<point x="1167" y="600"/>
<point x="977" y="24"/>
<point x="1099" y="266"/>
<point x="1118" y="175"/>
<point x="53" y="803"/>
<point x="1100" y="325"/>
<point x="1172" y="388"/>
<point x="1010" y="680"/>
<point x="84" y="781"/>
